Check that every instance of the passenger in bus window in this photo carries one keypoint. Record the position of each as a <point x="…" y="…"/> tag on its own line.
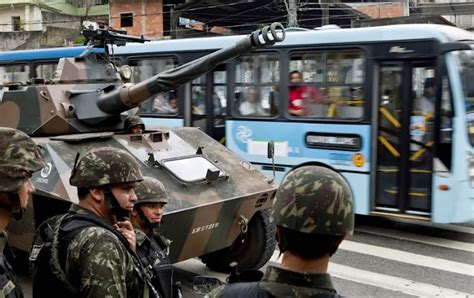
<point x="426" y="101"/>
<point x="165" y="103"/>
<point x="301" y="96"/>
<point x="251" y="105"/>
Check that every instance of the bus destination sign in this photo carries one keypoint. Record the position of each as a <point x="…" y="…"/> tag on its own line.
<point x="333" y="141"/>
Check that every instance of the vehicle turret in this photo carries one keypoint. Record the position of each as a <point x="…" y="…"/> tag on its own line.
<point x="89" y="91"/>
<point x="218" y="202"/>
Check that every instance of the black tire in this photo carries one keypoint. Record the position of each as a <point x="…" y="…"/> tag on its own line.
<point x="250" y="254"/>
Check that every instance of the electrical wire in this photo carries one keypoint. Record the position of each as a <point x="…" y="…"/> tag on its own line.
<point x="260" y="21"/>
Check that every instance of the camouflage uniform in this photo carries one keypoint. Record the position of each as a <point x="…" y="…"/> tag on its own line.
<point x="97" y="263"/>
<point x="100" y="266"/>
<point x="19" y="158"/>
<point x="153" y="248"/>
<point x="312" y="200"/>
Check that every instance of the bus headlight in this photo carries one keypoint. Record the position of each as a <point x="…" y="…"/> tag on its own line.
<point x="126" y="72"/>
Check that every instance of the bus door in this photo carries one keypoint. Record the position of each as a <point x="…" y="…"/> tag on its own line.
<point x="209" y="100"/>
<point x="406" y="107"/>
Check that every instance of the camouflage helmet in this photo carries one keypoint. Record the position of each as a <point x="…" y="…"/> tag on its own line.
<point x="131" y="122"/>
<point x="19" y="158"/>
<point x="103" y="166"/>
<point x="150" y="190"/>
<point x="314" y="200"/>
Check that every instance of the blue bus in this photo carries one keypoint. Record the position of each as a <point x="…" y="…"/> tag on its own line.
<point x="23" y="65"/>
<point x="390" y="108"/>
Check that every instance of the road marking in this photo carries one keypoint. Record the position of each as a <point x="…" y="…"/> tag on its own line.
<point x="384" y="281"/>
<point x="392" y="283"/>
<point x="452" y="244"/>
<point x="388" y="282"/>
<point x="409" y="258"/>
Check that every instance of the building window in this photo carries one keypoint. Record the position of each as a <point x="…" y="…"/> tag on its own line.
<point x="126" y="19"/>
<point x="16" y="24"/>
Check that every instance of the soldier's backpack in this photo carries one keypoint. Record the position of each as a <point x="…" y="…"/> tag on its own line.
<point x="49" y="252"/>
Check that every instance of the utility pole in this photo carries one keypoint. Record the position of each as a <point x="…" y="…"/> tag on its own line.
<point x="406" y="8"/>
<point x="174" y="19"/>
<point x="324" y="12"/>
<point x="292" y="13"/>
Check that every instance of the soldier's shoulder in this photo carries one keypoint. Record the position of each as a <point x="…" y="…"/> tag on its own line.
<point x="95" y="238"/>
<point x="241" y="289"/>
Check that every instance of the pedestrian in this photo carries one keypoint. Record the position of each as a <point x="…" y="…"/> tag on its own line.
<point x="152" y="248"/>
<point x="93" y="249"/>
<point x="134" y="125"/>
<point x="19" y="159"/>
<point x="313" y="213"/>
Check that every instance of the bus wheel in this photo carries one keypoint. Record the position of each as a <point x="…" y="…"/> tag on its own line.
<point x="251" y="251"/>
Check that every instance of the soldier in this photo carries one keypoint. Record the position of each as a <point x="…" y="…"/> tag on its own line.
<point x="313" y="213"/>
<point x="92" y="253"/>
<point x="152" y="248"/>
<point x="19" y="158"/>
<point x="134" y="124"/>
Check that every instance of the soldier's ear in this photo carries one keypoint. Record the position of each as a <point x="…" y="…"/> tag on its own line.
<point x="97" y="194"/>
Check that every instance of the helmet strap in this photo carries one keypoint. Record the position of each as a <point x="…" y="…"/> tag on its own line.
<point x="282" y="242"/>
<point x="117" y="212"/>
<point x="148" y="224"/>
<point x="14" y="207"/>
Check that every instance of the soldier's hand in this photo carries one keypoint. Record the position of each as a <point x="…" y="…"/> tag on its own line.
<point x="126" y="228"/>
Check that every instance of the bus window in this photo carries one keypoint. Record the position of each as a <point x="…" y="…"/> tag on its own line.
<point x="165" y="103"/>
<point x="256" y="80"/>
<point x="219" y="93"/>
<point x="198" y="95"/>
<point x="464" y="61"/>
<point x="330" y="85"/>
<point x="14" y="73"/>
<point x="45" y="71"/>
<point x="446" y="124"/>
<point x="422" y="117"/>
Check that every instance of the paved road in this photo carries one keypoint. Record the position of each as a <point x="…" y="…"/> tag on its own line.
<point x="387" y="258"/>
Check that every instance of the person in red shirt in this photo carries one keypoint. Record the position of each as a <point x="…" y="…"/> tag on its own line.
<point x="300" y="96"/>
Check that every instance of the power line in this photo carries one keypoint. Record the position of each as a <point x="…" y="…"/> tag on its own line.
<point x="260" y="21"/>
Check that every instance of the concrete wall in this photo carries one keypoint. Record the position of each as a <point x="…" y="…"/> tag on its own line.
<point x="61" y="20"/>
<point x="458" y="12"/>
<point x="380" y="10"/>
<point x="30" y="17"/>
<point x="54" y="37"/>
<point x="147" y="17"/>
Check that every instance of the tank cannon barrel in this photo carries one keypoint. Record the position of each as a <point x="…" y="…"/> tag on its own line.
<point x="131" y="95"/>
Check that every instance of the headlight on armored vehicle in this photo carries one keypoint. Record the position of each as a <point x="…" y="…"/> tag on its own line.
<point x="125" y="72"/>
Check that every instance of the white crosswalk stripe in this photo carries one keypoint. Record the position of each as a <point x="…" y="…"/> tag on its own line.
<point x="410" y="258"/>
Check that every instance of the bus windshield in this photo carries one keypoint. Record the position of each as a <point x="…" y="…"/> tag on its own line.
<point x="465" y="63"/>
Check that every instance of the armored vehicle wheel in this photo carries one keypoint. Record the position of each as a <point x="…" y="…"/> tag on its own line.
<point x="251" y="251"/>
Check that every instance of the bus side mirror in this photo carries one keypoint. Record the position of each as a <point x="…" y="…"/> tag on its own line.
<point x="271" y="154"/>
<point x="271" y="149"/>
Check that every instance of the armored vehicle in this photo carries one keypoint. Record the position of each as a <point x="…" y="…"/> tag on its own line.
<point x="217" y="199"/>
